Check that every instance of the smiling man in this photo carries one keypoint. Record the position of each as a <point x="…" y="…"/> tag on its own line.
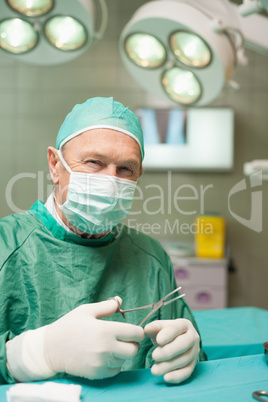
<point x="62" y="261"/>
<point x="110" y="162"/>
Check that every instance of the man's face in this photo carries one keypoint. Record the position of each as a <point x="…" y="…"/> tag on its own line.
<point x="99" y="151"/>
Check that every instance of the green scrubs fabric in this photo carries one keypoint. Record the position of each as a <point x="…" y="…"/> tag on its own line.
<point x="45" y="272"/>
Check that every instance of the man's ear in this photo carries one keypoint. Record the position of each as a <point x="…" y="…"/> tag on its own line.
<point x="53" y="163"/>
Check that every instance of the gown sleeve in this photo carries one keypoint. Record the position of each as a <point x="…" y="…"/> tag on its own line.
<point x="5" y="377"/>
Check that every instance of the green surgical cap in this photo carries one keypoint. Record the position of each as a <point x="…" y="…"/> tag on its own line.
<point x="100" y="113"/>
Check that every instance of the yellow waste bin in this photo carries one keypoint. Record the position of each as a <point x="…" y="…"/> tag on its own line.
<point x="210" y="236"/>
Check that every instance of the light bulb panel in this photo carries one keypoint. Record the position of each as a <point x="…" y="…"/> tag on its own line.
<point x="182" y="86"/>
<point x="161" y="19"/>
<point x="145" y="50"/>
<point x="34" y="8"/>
<point x="17" y="36"/>
<point x="65" y="33"/>
<point x="190" y="49"/>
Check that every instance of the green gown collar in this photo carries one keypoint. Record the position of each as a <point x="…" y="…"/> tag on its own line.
<point x="59" y="232"/>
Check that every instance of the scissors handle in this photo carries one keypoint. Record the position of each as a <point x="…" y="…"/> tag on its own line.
<point x="257" y="394"/>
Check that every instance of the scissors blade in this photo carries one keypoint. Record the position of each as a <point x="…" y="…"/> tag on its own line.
<point x="171" y="293"/>
<point x="175" y="298"/>
<point x="158" y="305"/>
<point x="134" y="309"/>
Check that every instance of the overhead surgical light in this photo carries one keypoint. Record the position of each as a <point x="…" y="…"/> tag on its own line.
<point x="184" y="50"/>
<point x="48" y="32"/>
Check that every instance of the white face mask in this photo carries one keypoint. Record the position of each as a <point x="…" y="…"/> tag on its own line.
<point x="96" y="203"/>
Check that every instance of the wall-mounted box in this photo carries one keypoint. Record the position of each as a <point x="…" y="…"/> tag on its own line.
<point x="188" y="139"/>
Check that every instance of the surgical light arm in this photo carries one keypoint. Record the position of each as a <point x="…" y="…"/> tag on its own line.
<point x="253" y="6"/>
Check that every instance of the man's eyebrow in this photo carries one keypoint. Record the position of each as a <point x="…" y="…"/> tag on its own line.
<point x="98" y="155"/>
<point x="88" y="154"/>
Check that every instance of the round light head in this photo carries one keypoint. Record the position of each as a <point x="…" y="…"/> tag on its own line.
<point x="57" y="47"/>
<point x="17" y="35"/>
<point x="31" y="8"/>
<point x="190" y="49"/>
<point x="181" y="85"/>
<point x="145" y="50"/>
<point x="198" y="60"/>
<point x="65" y="33"/>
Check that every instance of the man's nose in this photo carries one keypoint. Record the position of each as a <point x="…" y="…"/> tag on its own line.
<point x="110" y="170"/>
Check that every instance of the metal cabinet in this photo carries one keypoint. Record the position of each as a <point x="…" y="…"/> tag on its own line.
<point x="204" y="281"/>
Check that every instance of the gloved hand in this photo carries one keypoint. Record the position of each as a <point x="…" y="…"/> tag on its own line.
<point x="80" y="344"/>
<point x="177" y="348"/>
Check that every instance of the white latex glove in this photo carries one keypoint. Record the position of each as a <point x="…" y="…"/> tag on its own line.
<point x="78" y="344"/>
<point x="177" y="348"/>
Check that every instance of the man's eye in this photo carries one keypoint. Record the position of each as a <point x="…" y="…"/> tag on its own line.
<point x="93" y="165"/>
<point x="126" y="169"/>
<point x="93" y="162"/>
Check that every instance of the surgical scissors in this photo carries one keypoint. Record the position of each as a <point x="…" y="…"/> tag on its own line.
<point x="154" y="306"/>
<point x="257" y="395"/>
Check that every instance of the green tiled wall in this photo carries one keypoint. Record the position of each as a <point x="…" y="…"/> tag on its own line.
<point x="34" y="101"/>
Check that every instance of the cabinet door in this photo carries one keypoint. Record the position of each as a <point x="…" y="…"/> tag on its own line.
<point x="200" y="274"/>
<point x="203" y="282"/>
<point x="205" y="297"/>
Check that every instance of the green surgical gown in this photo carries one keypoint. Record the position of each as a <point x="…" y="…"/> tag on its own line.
<point x="46" y="271"/>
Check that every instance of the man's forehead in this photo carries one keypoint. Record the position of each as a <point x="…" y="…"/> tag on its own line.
<point x="101" y="142"/>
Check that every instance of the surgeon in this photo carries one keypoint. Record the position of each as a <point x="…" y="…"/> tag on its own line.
<point x="63" y="262"/>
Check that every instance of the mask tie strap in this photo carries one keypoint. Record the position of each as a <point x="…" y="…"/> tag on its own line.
<point x="64" y="162"/>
